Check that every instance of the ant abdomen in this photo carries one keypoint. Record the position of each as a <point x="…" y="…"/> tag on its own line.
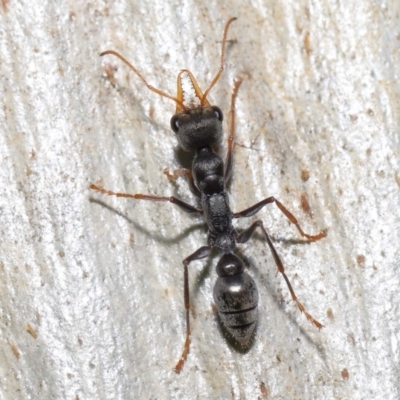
<point x="236" y="298"/>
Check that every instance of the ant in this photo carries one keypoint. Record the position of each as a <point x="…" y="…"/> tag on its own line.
<point x="199" y="129"/>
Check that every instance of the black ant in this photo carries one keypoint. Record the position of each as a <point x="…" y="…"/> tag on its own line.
<point x="199" y="129"/>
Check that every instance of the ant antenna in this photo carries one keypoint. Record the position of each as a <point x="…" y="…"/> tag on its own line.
<point x="216" y="78"/>
<point x="152" y="88"/>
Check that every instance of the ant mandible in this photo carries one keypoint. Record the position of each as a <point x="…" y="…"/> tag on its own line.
<point x="199" y="129"/>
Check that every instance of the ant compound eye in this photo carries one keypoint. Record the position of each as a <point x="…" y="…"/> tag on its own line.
<point x="218" y="113"/>
<point x="175" y="123"/>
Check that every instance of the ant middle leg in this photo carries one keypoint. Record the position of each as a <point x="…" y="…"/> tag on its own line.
<point x="138" y="196"/>
<point x="200" y="253"/>
<point x="248" y="212"/>
<point x="246" y="235"/>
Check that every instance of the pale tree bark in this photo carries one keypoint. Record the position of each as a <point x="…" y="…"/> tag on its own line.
<point x="91" y="286"/>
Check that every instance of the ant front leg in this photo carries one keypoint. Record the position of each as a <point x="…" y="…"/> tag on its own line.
<point x="181" y="204"/>
<point x="246" y="235"/>
<point x="200" y="253"/>
<point x="231" y="137"/>
<point x="257" y="207"/>
<point x="183" y="172"/>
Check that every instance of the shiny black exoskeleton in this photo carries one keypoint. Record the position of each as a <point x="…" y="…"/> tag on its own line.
<point x="235" y="292"/>
<point x="236" y="298"/>
<point x="197" y="127"/>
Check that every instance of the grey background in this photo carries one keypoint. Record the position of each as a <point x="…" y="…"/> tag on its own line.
<point x="99" y="280"/>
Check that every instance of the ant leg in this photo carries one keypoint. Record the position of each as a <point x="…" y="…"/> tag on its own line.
<point x="231" y="137"/>
<point x="200" y="253"/>
<point x="248" y="212"/>
<point x="184" y="206"/>
<point x="183" y="172"/>
<point x="245" y="236"/>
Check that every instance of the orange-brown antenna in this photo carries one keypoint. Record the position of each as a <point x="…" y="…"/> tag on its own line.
<point x="178" y="102"/>
<point x="215" y="80"/>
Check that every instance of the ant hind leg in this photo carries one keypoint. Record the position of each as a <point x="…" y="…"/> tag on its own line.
<point x="200" y="253"/>
<point x="246" y="235"/>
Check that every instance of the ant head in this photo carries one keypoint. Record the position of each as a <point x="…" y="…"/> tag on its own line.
<point x="195" y="126"/>
<point x="198" y="127"/>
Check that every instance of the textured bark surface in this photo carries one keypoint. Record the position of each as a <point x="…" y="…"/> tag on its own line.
<point x="91" y="286"/>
